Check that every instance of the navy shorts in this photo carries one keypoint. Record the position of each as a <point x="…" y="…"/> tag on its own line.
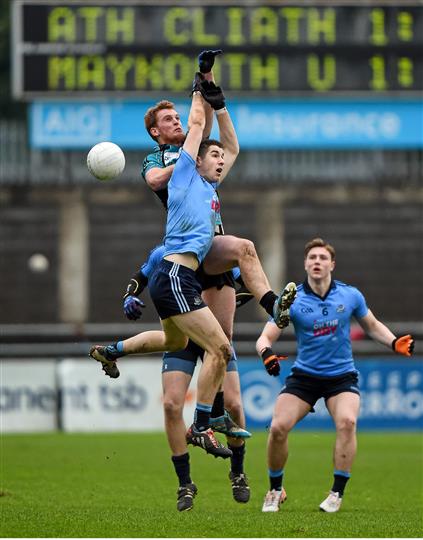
<point x="186" y="360"/>
<point x="310" y="388"/>
<point x="219" y="281"/>
<point x="174" y="289"/>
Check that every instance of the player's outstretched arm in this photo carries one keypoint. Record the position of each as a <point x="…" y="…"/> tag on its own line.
<point x="197" y="122"/>
<point x="205" y="64"/>
<point x="199" y="76"/>
<point x="157" y="178"/>
<point x="269" y="335"/>
<point x="215" y="97"/>
<point x="132" y="305"/>
<point x="154" y="173"/>
<point x="264" y="349"/>
<point x="208" y="109"/>
<point x="379" y="332"/>
<point x="229" y="139"/>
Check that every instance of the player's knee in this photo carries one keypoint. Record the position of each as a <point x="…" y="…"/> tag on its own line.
<point x="246" y="249"/>
<point x="220" y="357"/>
<point x="279" y="428"/>
<point x="347" y="424"/>
<point x="172" y="408"/>
<point x="226" y="353"/>
<point x="235" y="409"/>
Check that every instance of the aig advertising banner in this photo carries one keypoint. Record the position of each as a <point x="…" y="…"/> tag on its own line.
<point x="391" y="392"/>
<point x="312" y="123"/>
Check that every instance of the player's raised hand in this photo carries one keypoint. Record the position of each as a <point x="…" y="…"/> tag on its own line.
<point x="403" y="345"/>
<point x="206" y="60"/>
<point x="213" y="95"/>
<point x="271" y="361"/>
<point x="132" y="307"/>
<point x="196" y="83"/>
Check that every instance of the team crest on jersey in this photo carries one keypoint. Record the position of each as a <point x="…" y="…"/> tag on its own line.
<point x="340" y="308"/>
<point x="197" y="301"/>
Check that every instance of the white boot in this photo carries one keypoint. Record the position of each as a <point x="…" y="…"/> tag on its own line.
<point x="273" y="500"/>
<point x="332" y="503"/>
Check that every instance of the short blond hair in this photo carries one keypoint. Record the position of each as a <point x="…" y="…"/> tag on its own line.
<point x="319" y="242"/>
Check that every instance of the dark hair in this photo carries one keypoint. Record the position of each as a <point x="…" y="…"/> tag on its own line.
<point x="205" y="145"/>
<point x="318" y="242"/>
<point x="150" y="115"/>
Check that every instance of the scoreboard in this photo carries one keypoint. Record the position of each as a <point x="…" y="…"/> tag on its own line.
<point x="81" y="48"/>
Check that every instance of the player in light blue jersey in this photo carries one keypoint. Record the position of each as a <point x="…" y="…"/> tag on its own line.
<point x="192" y="210"/>
<point x="163" y="122"/>
<point x="324" y="367"/>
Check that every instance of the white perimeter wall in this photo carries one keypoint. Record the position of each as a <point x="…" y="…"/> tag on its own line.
<point x="75" y="395"/>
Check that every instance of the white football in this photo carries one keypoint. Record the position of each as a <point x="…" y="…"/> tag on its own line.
<point x="105" y="161"/>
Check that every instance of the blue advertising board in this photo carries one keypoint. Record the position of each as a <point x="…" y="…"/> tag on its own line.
<point x="341" y="124"/>
<point x="391" y="395"/>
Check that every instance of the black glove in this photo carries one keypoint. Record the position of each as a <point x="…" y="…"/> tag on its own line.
<point x="206" y="60"/>
<point x="213" y="95"/>
<point x="271" y="361"/>
<point x="136" y="285"/>
<point x="196" y="83"/>
<point x="242" y="296"/>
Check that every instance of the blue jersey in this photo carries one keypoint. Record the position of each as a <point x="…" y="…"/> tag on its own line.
<point x="154" y="257"/>
<point x="162" y="156"/>
<point x="322" y="328"/>
<point x="193" y="209"/>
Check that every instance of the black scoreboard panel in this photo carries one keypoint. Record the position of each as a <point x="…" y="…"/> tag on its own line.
<point x="133" y="48"/>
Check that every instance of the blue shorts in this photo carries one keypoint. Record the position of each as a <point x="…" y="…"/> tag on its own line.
<point x="174" y="289"/>
<point x="218" y="281"/>
<point x="310" y="388"/>
<point x="186" y="360"/>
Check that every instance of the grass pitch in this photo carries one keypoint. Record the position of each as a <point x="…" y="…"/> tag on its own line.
<point x="123" y="485"/>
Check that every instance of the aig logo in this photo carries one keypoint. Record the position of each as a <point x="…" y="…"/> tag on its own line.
<point x="306" y="310"/>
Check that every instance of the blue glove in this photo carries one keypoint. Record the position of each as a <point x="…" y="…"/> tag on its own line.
<point x="206" y="60"/>
<point x="133" y="306"/>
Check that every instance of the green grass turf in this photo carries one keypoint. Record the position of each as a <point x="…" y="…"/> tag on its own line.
<point x="123" y="485"/>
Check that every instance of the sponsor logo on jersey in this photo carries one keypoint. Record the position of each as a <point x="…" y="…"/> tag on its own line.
<point x="170" y="158"/>
<point x="215" y="205"/>
<point x="340" y="308"/>
<point x="324" y="328"/>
